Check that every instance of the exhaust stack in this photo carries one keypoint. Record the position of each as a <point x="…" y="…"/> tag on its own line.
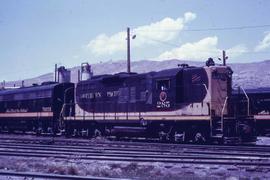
<point x="86" y="72"/>
<point x="63" y="75"/>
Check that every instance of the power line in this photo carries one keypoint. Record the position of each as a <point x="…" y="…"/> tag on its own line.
<point x="212" y="51"/>
<point x="244" y="27"/>
<point x="161" y="42"/>
<point x="230" y="28"/>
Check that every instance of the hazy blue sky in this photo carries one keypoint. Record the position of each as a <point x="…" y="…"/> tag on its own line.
<point x="36" y="34"/>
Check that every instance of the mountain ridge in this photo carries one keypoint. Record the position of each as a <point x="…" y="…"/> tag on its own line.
<point x="247" y="75"/>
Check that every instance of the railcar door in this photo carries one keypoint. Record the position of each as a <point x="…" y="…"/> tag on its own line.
<point x="63" y="102"/>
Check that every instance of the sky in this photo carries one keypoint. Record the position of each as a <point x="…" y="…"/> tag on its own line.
<point x="36" y="34"/>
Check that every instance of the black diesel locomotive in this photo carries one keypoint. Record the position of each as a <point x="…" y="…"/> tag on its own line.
<point x="190" y="104"/>
<point x="180" y="104"/>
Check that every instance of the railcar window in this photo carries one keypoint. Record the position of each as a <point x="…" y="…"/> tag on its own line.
<point x="44" y="94"/>
<point x="89" y="86"/>
<point x="217" y="75"/>
<point x="143" y="96"/>
<point x="163" y="85"/>
<point x="19" y="103"/>
<point x="18" y="97"/>
<point x="133" y="94"/>
<point x="34" y="103"/>
<point x="25" y="95"/>
<point x="32" y="95"/>
<point x="8" y="97"/>
<point x="123" y="95"/>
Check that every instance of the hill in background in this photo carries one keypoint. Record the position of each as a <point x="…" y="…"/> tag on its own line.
<point x="247" y="75"/>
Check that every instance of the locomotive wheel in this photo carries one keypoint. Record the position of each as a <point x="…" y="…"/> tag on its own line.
<point x="68" y="130"/>
<point x="163" y="137"/>
<point x="199" y="138"/>
<point x="10" y="131"/>
<point x="85" y="132"/>
<point x="75" y="133"/>
<point x="5" y="128"/>
<point x="39" y="131"/>
<point x="1" y="129"/>
<point x="179" y="137"/>
<point x="50" y="130"/>
<point x="97" y="133"/>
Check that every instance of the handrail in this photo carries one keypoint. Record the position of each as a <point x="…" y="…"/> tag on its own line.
<point x="207" y="92"/>
<point x="65" y="93"/>
<point x="207" y="95"/>
<point x="61" y="114"/>
<point x="64" y="104"/>
<point x="64" y="108"/>
<point x="247" y="100"/>
<point x="222" y="112"/>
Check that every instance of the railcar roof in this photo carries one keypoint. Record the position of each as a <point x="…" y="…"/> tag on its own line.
<point x="173" y="71"/>
<point x="28" y="89"/>
<point x="167" y="72"/>
<point x="261" y="90"/>
<point x="121" y="75"/>
<point x="156" y="74"/>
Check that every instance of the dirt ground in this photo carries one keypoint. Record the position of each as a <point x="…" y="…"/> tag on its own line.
<point x="131" y="169"/>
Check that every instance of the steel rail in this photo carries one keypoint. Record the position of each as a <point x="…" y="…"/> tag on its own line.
<point x="143" y="158"/>
<point x="90" y="145"/>
<point x="182" y="160"/>
<point x="54" y="176"/>
<point x="192" y="154"/>
<point x="140" y="152"/>
<point x="87" y="143"/>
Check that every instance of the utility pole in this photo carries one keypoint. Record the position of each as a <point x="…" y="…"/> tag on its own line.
<point x="224" y="57"/>
<point x="55" y="72"/>
<point x="128" y="50"/>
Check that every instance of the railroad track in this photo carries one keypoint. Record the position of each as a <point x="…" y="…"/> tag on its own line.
<point x="9" y="174"/>
<point x="124" y="150"/>
<point x="161" y="146"/>
<point x="249" y="158"/>
<point x="187" y="156"/>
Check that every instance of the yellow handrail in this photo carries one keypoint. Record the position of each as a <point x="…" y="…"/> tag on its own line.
<point x="247" y="100"/>
<point x="222" y="112"/>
